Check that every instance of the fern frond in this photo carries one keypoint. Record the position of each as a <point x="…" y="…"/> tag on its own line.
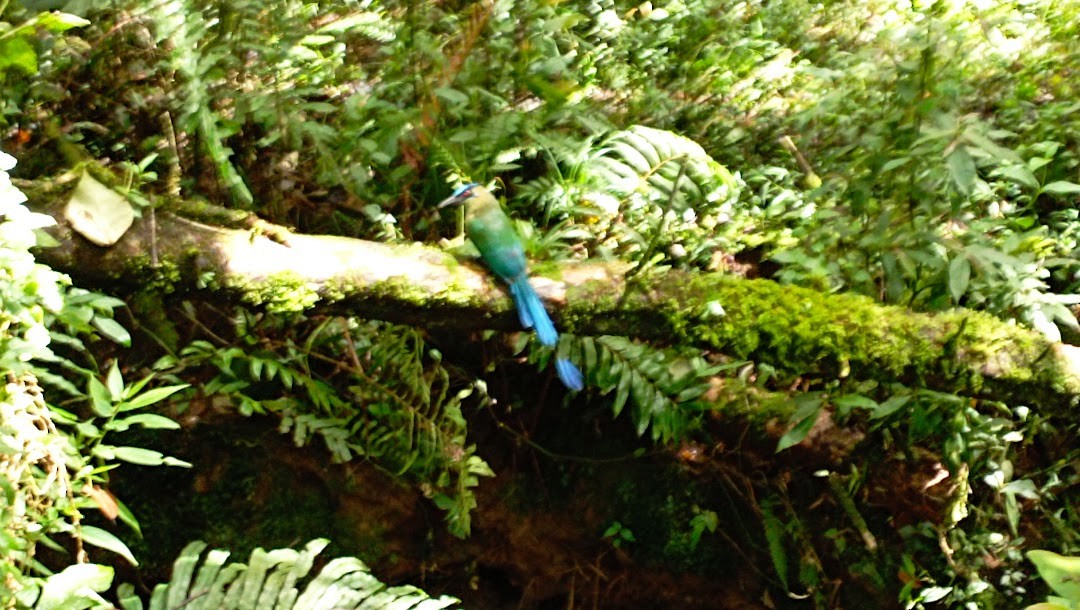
<point x="187" y="30"/>
<point x="646" y="161"/>
<point x="370" y="24"/>
<point x="272" y="579"/>
<point x="402" y="416"/>
<point x="389" y="402"/>
<point x="662" y="386"/>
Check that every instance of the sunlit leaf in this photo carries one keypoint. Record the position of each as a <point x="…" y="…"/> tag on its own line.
<point x="962" y="169"/>
<point x="146" y="420"/>
<point x="57" y="21"/>
<point x="100" y="400"/>
<point x="1020" y="174"/>
<point x="97" y="212"/>
<point x="151" y="396"/>
<point x="1062" y="187"/>
<point x="112" y="330"/>
<point x="16" y="52"/>
<point x="103" y="539"/>
<point x="139" y="455"/>
<point x="959" y="277"/>
<point x="74" y="587"/>
<point x="115" y="382"/>
<point x="1060" y="572"/>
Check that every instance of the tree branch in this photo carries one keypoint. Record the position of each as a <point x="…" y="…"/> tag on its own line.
<point x="800" y="330"/>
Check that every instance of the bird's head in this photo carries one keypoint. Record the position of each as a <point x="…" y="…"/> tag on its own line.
<point x="464" y="193"/>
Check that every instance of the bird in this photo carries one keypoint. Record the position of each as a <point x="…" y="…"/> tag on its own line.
<point x="493" y="234"/>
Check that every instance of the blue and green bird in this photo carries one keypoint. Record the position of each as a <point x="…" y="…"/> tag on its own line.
<point x="491" y="230"/>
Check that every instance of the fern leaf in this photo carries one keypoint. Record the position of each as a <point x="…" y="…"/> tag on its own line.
<point x="125" y="594"/>
<point x="269" y="581"/>
<point x="662" y="386"/>
<point x="396" y="409"/>
<point x="649" y="161"/>
<point x="183" y="570"/>
<point x="774" y="535"/>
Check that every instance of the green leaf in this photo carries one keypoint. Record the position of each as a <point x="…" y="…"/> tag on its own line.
<point x="933" y="594"/>
<point x="1062" y="187"/>
<point x="73" y="588"/>
<point x="150" y="397"/>
<point x="890" y="406"/>
<point x="138" y="455"/>
<point x="647" y="160"/>
<point x="1020" y="174"/>
<point x="962" y="169"/>
<point x="115" y="382"/>
<point x="129" y="600"/>
<point x="1061" y="573"/>
<point x="998" y="152"/>
<point x="452" y="96"/>
<point x="103" y="539"/>
<point x="774" y="536"/>
<point x="57" y="22"/>
<point x="146" y="420"/>
<point x="126" y="516"/>
<point x="894" y="276"/>
<point x="804" y="419"/>
<point x="623" y="391"/>
<point x="100" y="400"/>
<point x="16" y="52"/>
<point x="895" y="163"/>
<point x="112" y="330"/>
<point x="846" y="403"/>
<point x="97" y="212"/>
<point x="317" y="40"/>
<point x="959" y="277"/>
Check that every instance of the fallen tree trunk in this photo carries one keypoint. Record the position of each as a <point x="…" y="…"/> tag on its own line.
<point x="800" y="330"/>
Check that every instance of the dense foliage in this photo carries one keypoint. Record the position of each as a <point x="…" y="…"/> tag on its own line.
<point x="923" y="154"/>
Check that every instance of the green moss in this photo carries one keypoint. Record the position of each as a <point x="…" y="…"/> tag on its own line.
<point x="149" y="308"/>
<point x="335" y="290"/>
<point x="805" y="331"/>
<point x="400" y="289"/>
<point x="284" y="292"/>
<point x="163" y="277"/>
<point x="548" y="269"/>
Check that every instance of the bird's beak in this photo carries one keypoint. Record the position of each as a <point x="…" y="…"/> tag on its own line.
<point x="452" y="200"/>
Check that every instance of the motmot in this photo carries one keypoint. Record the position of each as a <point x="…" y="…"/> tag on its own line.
<point x="493" y="234"/>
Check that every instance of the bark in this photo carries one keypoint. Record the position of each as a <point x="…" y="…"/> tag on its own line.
<point x="800" y="330"/>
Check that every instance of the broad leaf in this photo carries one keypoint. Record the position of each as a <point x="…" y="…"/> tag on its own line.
<point x="959" y="277"/>
<point x="804" y="418"/>
<point x="1060" y="572"/>
<point x="962" y="169"/>
<point x="97" y="212"/>
<point x="103" y="539"/>
<point x="112" y="330"/>
<point x="150" y="397"/>
<point x="1061" y="187"/>
<point x="75" y="587"/>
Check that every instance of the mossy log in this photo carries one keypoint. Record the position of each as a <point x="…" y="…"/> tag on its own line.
<point x="800" y="330"/>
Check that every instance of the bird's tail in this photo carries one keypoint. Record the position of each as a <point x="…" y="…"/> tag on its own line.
<point x="532" y="314"/>
<point x="569" y="375"/>
<point x="531" y="311"/>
